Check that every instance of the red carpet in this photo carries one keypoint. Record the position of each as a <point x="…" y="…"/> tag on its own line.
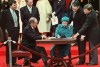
<point x="74" y="52"/>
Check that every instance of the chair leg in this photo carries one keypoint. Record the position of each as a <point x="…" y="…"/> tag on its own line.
<point x="65" y="64"/>
<point x="29" y="61"/>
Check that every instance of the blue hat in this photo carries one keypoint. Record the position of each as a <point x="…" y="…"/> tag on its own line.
<point x="65" y="18"/>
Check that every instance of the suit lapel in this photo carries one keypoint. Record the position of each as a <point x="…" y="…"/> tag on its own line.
<point x="27" y="10"/>
<point x="10" y="15"/>
<point x="17" y="13"/>
<point x="33" y="11"/>
<point x="32" y="30"/>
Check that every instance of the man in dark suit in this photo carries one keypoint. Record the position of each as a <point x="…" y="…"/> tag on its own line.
<point x="30" y="35"/>
<point x="10" y="21"/>
<point x="1" y="33"/>
<point x="4" y="6"/>
<point x="29" y="11"/>
<point x="59" y="8"/>
<point x="78" y="17"/>
<point x="92" y="27"/>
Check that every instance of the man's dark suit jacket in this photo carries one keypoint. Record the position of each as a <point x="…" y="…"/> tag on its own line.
<point x="30" y="36"/>
<point x="25" y="14"/>
<point x="78" y="19"/>
<point x="60" y="8"/>
<point x="13" y="32"/>
<point x="92" y="27"/>
<point x="7" y="20"/>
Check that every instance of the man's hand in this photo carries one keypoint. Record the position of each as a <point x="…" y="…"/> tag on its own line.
<point x="75" y="36"/>
<point x="44" y="36"/>
<point x="82" y="37"/>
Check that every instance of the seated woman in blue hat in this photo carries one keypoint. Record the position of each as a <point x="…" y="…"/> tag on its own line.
<point x="64" y="30"/>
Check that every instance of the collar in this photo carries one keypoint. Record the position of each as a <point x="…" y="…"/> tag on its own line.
<point x="29" y="7"/>
<point x="63" y="26"/>
<point x="89" y="13"/>
<point x="11" y="10"/>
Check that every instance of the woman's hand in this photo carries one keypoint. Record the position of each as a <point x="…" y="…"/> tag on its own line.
<point x="59" y="36"/>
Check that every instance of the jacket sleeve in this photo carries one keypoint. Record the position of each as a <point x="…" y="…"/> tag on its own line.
<point x="87" y="23"/>
<point x="38" y="15"/>
<point x="3" y="21"/>
<point x="70" y="32"/>
<point x="32" y="35"/>
<point x="57" y="31"/>
<point x="23" y="16"/>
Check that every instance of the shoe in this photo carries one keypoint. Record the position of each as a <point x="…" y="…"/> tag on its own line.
<point x="31" y="60"/>
<point x="16" y="64"/>
<point x="70" y="65"/>
<point x="69" y="62"/>
<point x="31" y="66"/>
<point x="79" y="63"/>
<point x="46" y="66"/>
<point x="58" y="64"/>
<point x="91" y="64"/>
<point x="26" y="63"/>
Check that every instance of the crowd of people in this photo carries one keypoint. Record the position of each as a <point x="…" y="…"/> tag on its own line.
<point x="76" y="18"/>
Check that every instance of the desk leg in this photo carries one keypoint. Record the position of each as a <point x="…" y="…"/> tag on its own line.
<point x="56" y="63"/>
<point x="69" y="56"/>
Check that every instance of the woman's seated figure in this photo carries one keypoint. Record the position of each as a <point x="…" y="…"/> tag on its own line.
<point x="64" y="30"/>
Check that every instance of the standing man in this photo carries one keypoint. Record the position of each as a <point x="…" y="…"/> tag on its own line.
<point x="10" y="19"/>
<point x="77" y="17"/>
<point x="28" y="11"/>
<point x="59" y="9"/>
<point x="92" y="27"/>
<point x="4" y="6"/>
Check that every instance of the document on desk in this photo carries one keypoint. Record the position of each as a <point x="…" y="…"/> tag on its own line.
<point x="54" y="38"/>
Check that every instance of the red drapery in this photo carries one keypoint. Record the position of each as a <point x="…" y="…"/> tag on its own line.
<point x="67" y="3"/>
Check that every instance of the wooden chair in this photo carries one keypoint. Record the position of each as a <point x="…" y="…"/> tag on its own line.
<point x="20" y="53"/>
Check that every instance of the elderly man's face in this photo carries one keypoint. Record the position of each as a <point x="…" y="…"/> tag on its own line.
<point x="34" y="25"/>
<point x="30" y="3"/>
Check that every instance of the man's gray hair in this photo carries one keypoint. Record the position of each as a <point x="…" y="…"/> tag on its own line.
<point x="33" y="20"/>
<point x="88" y="6"/>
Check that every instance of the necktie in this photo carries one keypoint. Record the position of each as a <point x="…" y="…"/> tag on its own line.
<point x="15" y="19"/>
<point x="30" y="10"/>
<point x="73" y="14"/>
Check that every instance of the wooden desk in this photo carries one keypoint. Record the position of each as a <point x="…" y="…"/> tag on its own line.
<point x="56" y="42"/>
